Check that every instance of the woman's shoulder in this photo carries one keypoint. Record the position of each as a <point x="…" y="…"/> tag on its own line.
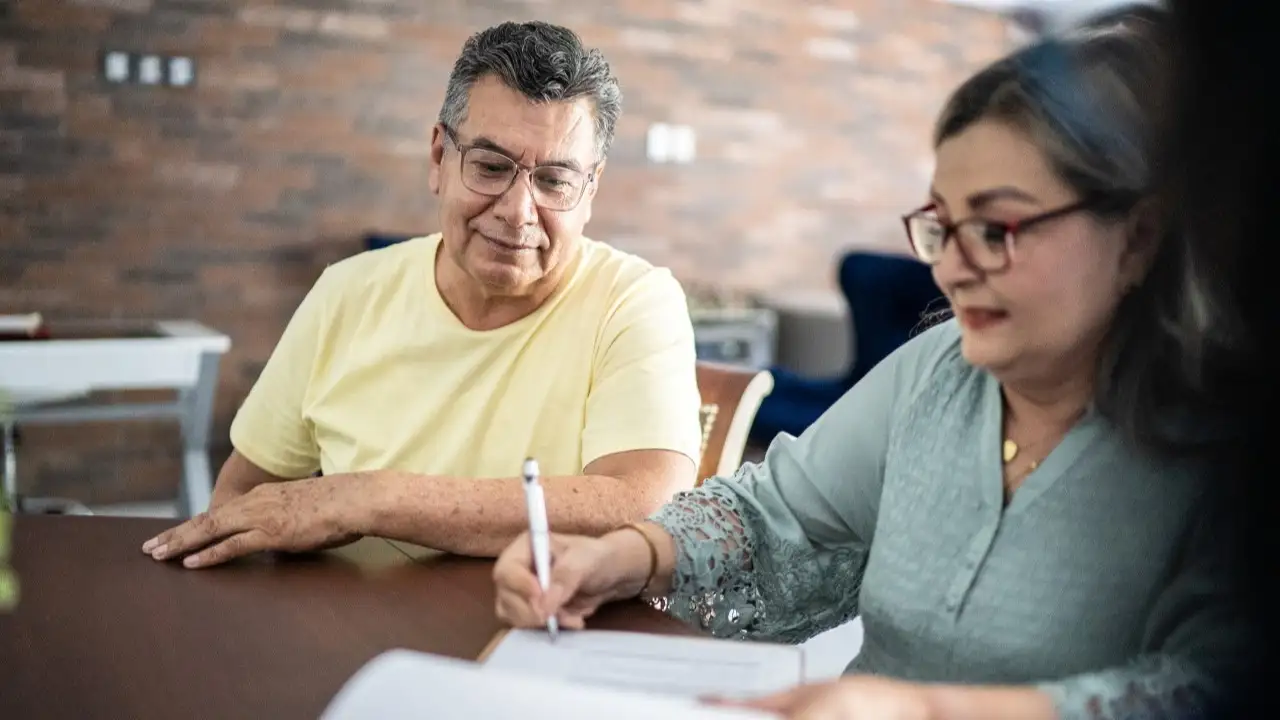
<point x="931" y="359"/>
<point x="927" y="369"/>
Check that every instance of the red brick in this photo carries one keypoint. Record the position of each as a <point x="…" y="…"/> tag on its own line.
<point x="353" y="25"/>
<point x="307" y="129"/>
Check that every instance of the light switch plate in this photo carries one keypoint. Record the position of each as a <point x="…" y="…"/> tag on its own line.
<point x="658" y="143"/>
<point x="683" y="144"/>
<point x="182" y="71"/>
<point x="115" y="66"/>
<point x="150" y="70"/>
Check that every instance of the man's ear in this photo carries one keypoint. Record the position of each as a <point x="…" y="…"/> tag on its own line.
<point x="437" y="158"/>
<point x="1144" y="231"/>
<point x="591" y="191"/>
<point x="599" y="172"/>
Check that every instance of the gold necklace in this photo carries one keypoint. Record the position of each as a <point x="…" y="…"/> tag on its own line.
<point x="1010" y="450"/>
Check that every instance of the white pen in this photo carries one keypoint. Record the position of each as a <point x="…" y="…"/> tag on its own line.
<point x="539" y="534"/>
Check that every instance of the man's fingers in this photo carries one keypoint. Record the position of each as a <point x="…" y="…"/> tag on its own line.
<point x="193" y="534"/>
<point x="229" y="549"/>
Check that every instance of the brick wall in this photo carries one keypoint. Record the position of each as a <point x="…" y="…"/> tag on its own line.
<point x="309" y="125"/>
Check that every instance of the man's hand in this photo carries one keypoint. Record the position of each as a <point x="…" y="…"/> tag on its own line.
<point x="237" y="477"/>
<point x="294" y="516"/>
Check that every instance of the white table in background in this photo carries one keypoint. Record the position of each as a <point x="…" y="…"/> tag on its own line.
<point x="81" y="358"/>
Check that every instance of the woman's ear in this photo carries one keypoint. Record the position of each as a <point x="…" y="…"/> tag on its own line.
<point x="1144" y="231"/>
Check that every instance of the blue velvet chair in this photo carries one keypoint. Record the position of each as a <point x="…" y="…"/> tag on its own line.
<point x="375" y="241"/>
<point x="888" y="296"/>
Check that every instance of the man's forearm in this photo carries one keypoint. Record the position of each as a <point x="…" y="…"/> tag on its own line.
<point x="481" y="517"/>
<point x="237" y="477"/>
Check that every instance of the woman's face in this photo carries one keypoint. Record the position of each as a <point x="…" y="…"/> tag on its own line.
<point x="1048" y="309"/>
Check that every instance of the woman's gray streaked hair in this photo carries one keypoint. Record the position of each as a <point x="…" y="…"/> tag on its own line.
<point x="543" y="62"/>
<point x="1094" y="101"/>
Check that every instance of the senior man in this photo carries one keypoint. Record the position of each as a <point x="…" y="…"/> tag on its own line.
<point x="416" y="378"/>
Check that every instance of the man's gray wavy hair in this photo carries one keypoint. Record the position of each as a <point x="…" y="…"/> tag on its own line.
<point x="543" y="62"/>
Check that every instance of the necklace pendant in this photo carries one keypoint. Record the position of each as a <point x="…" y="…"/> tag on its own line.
<point x="1009" y="451"/>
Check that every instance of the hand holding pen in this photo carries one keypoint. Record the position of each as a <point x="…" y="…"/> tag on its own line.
<point x="539" y="534"/>
<point x="587" y="572"/>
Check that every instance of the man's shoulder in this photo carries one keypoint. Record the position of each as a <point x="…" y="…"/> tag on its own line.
<point x="381" y="270"/>
<point x="622" y="276"/>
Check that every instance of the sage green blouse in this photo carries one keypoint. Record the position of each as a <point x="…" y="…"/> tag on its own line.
<point x="1098" y="583"/>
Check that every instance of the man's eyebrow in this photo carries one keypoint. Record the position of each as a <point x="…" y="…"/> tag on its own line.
<point x="487" y="144"/>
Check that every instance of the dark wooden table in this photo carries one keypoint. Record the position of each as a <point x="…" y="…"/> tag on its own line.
<point x="101" y="630"/>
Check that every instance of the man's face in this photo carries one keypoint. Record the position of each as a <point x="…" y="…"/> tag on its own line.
<point x="514" y="239"/>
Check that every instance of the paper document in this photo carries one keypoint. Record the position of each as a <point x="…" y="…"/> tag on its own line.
<point x="404" y="684"/>
<point x="661" y="664"/>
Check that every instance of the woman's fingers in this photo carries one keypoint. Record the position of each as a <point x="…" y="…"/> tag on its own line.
<point x="516" y="610"/>
<point x="520" y="598"/>
<point x="571" y="621"/>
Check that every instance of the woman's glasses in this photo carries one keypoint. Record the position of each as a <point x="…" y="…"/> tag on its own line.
<point x="986" y="244"/>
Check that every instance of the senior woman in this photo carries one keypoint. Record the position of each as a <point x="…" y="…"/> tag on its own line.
<point x="995" y="499"/>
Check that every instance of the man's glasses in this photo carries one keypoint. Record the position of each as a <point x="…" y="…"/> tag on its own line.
<point x="489" y="172"/>
<point x="986" y="244"/>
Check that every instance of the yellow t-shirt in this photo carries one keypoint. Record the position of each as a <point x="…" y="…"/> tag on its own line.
<point x="375" y="372"/>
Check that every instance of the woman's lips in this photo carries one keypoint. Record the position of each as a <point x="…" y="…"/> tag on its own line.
<point x="980" y="318"/>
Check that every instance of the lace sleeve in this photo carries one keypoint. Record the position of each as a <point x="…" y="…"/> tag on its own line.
<point x="737" y="577"/>
<point x="1152" y="688"/>
<point x="777" y="551"/>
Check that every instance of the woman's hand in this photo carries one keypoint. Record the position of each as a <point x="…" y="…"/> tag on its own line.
<point x="585" y="573"/>
<point x="861" y="697"/>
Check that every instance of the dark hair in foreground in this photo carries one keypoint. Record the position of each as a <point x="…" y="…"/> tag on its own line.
<point x="1221" y="164"/>
<point x="543" y="62"/>
<point x="1093" y="101"/>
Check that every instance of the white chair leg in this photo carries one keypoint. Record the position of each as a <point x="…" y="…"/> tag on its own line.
<point x="10" y="468"/>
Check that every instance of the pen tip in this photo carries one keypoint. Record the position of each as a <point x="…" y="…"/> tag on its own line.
<point x="530" y="467"/>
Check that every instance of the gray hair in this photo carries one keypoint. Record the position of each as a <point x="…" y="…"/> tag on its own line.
<point x="543" y="62"/>
<point x="1094" y="102"/>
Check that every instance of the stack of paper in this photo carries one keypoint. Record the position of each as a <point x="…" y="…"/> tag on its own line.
<point x="404" y="684"/>
<point x="659" y="664"/>
<point x="585" y="674"/>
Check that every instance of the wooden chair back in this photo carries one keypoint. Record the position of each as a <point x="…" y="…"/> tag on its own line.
<point x="730" y="398"/>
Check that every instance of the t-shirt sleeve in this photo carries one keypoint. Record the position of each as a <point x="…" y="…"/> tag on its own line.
<point x="644" y="391"/>
<point x="270" y="428"/>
